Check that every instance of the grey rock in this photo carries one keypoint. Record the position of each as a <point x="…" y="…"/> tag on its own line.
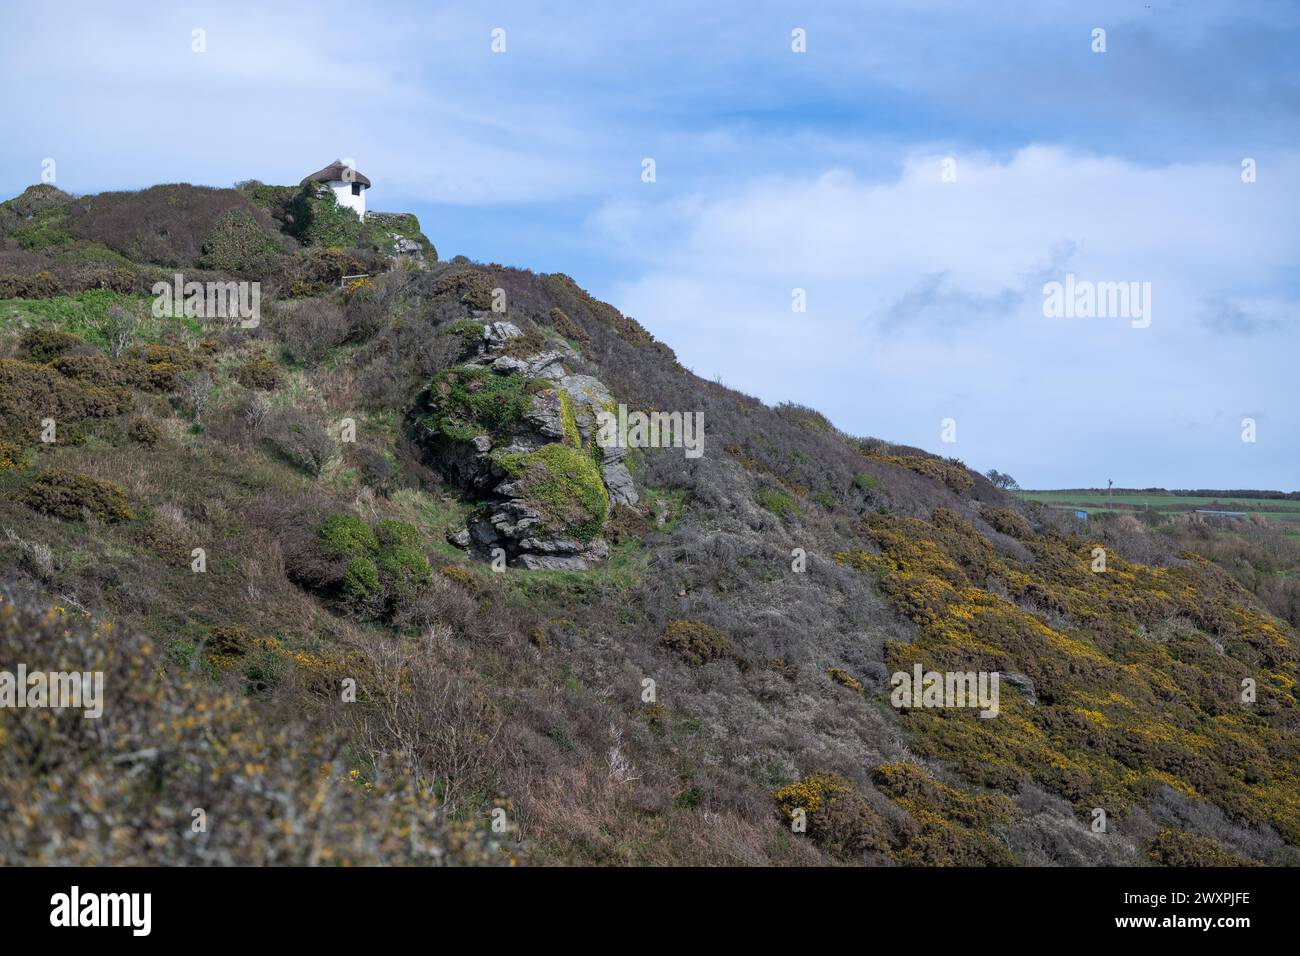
<point x="496" y="334"/>
<point x="483" y="533"/>
<point x="406" y="247"/>
<point x="546" y="415"/>
<point x="508" y="364"/>
<point x="533" y="562"/>
<point x="546" y="365"/>
<point x="552" y="545"/>
<point x="618" y="480"/>
<point x="1022" y="682"/>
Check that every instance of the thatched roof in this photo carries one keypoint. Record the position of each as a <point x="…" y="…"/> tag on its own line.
<point x="334" y="172"/>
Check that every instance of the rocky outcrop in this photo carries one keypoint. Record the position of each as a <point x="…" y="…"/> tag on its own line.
<point x="515" y="425"/>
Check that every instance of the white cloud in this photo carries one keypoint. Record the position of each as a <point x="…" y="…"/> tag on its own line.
<point x="925" y="300"/>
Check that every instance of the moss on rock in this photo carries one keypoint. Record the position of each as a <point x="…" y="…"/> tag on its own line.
<point x="564" y="485"/>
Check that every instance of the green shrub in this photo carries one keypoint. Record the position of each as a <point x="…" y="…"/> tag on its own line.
<point x="70" y="496"/>
<point x="319" y="220"/>
<point x="361" y="579"/>
<point x="344" y="535"/>
<point x="466" y="328"/>
<point x="383" y="566"/>
<point x="775" y="501"/>
<point x="696" y="641"/>
<point x="46" y="229"/>
<point x="466" y="402"/>
<point x="404" y="569"/>
<point x="401" y="563"/>
<point x="382" y="230"/>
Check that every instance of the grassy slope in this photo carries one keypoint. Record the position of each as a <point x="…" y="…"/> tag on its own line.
<point x="513" y="689"/>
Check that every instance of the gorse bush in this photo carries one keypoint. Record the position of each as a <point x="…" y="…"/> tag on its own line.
<point x="566" y="327"/>
<point x="470" y="287"/>
<point x="697" y="642"/>
<point x="64" y="494"/>
<point x="948" y="471"/>
<point x="44" y="345"/>
<point x="837" y="817"/>
<point x="260" y="373"/>
<point x="145" y="432"/>
<point x="947" y="827"/>
<point x="42" y="285"/>
<point x="1176" y="848"/>
<point x="844" y="678"/>
<point x="31" y="393"/>
<point x="1127" y="704"/>
<point x="282" y="789"/>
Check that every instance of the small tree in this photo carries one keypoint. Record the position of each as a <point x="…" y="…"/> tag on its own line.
<point x="198" y="392"/>
<point x="1001" y="480"/>
<point x="118" y="327"/>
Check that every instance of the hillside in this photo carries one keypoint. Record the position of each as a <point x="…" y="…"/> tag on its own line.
<point x="392" y="485"/>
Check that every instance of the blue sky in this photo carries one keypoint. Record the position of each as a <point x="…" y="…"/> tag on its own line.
<point x="777" y="171"/>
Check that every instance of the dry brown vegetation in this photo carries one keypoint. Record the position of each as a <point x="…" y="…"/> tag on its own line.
<point x="526" y="692"/>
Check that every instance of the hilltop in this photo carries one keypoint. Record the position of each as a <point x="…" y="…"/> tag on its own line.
<point x="420" y="569"/>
